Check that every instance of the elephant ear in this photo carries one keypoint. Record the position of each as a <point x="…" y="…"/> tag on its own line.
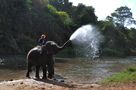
<point x="48" y="47"/>
<point x="43" y="49"/>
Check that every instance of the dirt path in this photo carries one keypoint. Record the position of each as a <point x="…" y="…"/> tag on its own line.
<point x="31" y="84"/>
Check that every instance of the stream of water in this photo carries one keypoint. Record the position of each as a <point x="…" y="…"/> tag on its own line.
<point x="88" y="39"/>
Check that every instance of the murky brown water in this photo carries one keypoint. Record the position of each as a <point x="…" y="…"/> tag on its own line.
<point x="79" y="70"/>
<point x="92" y="71"/>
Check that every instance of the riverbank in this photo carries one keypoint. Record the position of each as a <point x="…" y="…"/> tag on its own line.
<point x="31" y="84"/>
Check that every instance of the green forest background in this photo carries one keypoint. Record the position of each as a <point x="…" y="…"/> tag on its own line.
<point x="23" y="21"/>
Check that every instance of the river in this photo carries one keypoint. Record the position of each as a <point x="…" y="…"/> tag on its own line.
<point x="79" y="70"/>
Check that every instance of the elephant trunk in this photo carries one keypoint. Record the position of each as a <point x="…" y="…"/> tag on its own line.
<point x="66" y="44"/>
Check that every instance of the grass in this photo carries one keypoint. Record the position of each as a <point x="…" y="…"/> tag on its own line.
<point x="126" y="76"/>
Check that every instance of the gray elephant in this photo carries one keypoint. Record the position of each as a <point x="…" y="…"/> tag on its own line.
<point x="42" y="56"/>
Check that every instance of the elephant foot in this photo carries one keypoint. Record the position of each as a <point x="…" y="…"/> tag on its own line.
<point x="50" y="77"/>
<point x="37" y="77"/>
<point x="45" y="78"/>
<point x="27" y="76"/>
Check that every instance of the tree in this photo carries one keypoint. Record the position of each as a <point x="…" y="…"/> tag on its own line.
<point x="84" y="15"/>
<point x="62" y="5"/>
<point x="122" y="16"/>
<point x="14" y="22"/>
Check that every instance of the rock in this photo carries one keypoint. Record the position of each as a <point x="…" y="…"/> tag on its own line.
<point x="59" y="80"/>
<point x="95" y="85"/>
<point x="21" y="83"/>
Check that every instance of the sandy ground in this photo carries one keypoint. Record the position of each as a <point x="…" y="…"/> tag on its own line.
<point x="31" y="84"/>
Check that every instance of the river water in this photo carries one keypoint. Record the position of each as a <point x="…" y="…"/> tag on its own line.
<point x="79" y="70"/>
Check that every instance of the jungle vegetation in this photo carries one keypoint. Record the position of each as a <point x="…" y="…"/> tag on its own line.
<point x="23" y="21"/>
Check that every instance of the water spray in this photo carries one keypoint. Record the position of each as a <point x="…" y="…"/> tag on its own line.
<point x="89" y="39"/>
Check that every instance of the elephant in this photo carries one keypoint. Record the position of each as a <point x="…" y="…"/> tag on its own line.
<point x="42" y="56"/>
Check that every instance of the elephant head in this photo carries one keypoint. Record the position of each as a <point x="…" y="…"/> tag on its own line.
<point x="52" y="48"/>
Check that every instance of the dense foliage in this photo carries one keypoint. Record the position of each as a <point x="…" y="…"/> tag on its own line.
<point x="23" y="21"/>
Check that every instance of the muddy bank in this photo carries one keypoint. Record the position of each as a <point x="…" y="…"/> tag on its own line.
<point x="31" y="84"/>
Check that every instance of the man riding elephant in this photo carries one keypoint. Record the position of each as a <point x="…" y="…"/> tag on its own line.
<point x="44" y="59"/>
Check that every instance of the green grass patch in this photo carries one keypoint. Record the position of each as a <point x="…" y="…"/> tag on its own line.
<point x="126" y="76"/>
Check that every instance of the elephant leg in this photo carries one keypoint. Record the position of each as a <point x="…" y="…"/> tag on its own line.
<point x="37" y="71"/>
<point x="29" y="69"/>
<point x="51" y="70"/>
<point x="44" y="68"/>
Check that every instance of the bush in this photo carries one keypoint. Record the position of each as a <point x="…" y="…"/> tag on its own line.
<point x="113" y="52"/>
<point x="126" y="76"/>
<point x="68" y="52"/>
